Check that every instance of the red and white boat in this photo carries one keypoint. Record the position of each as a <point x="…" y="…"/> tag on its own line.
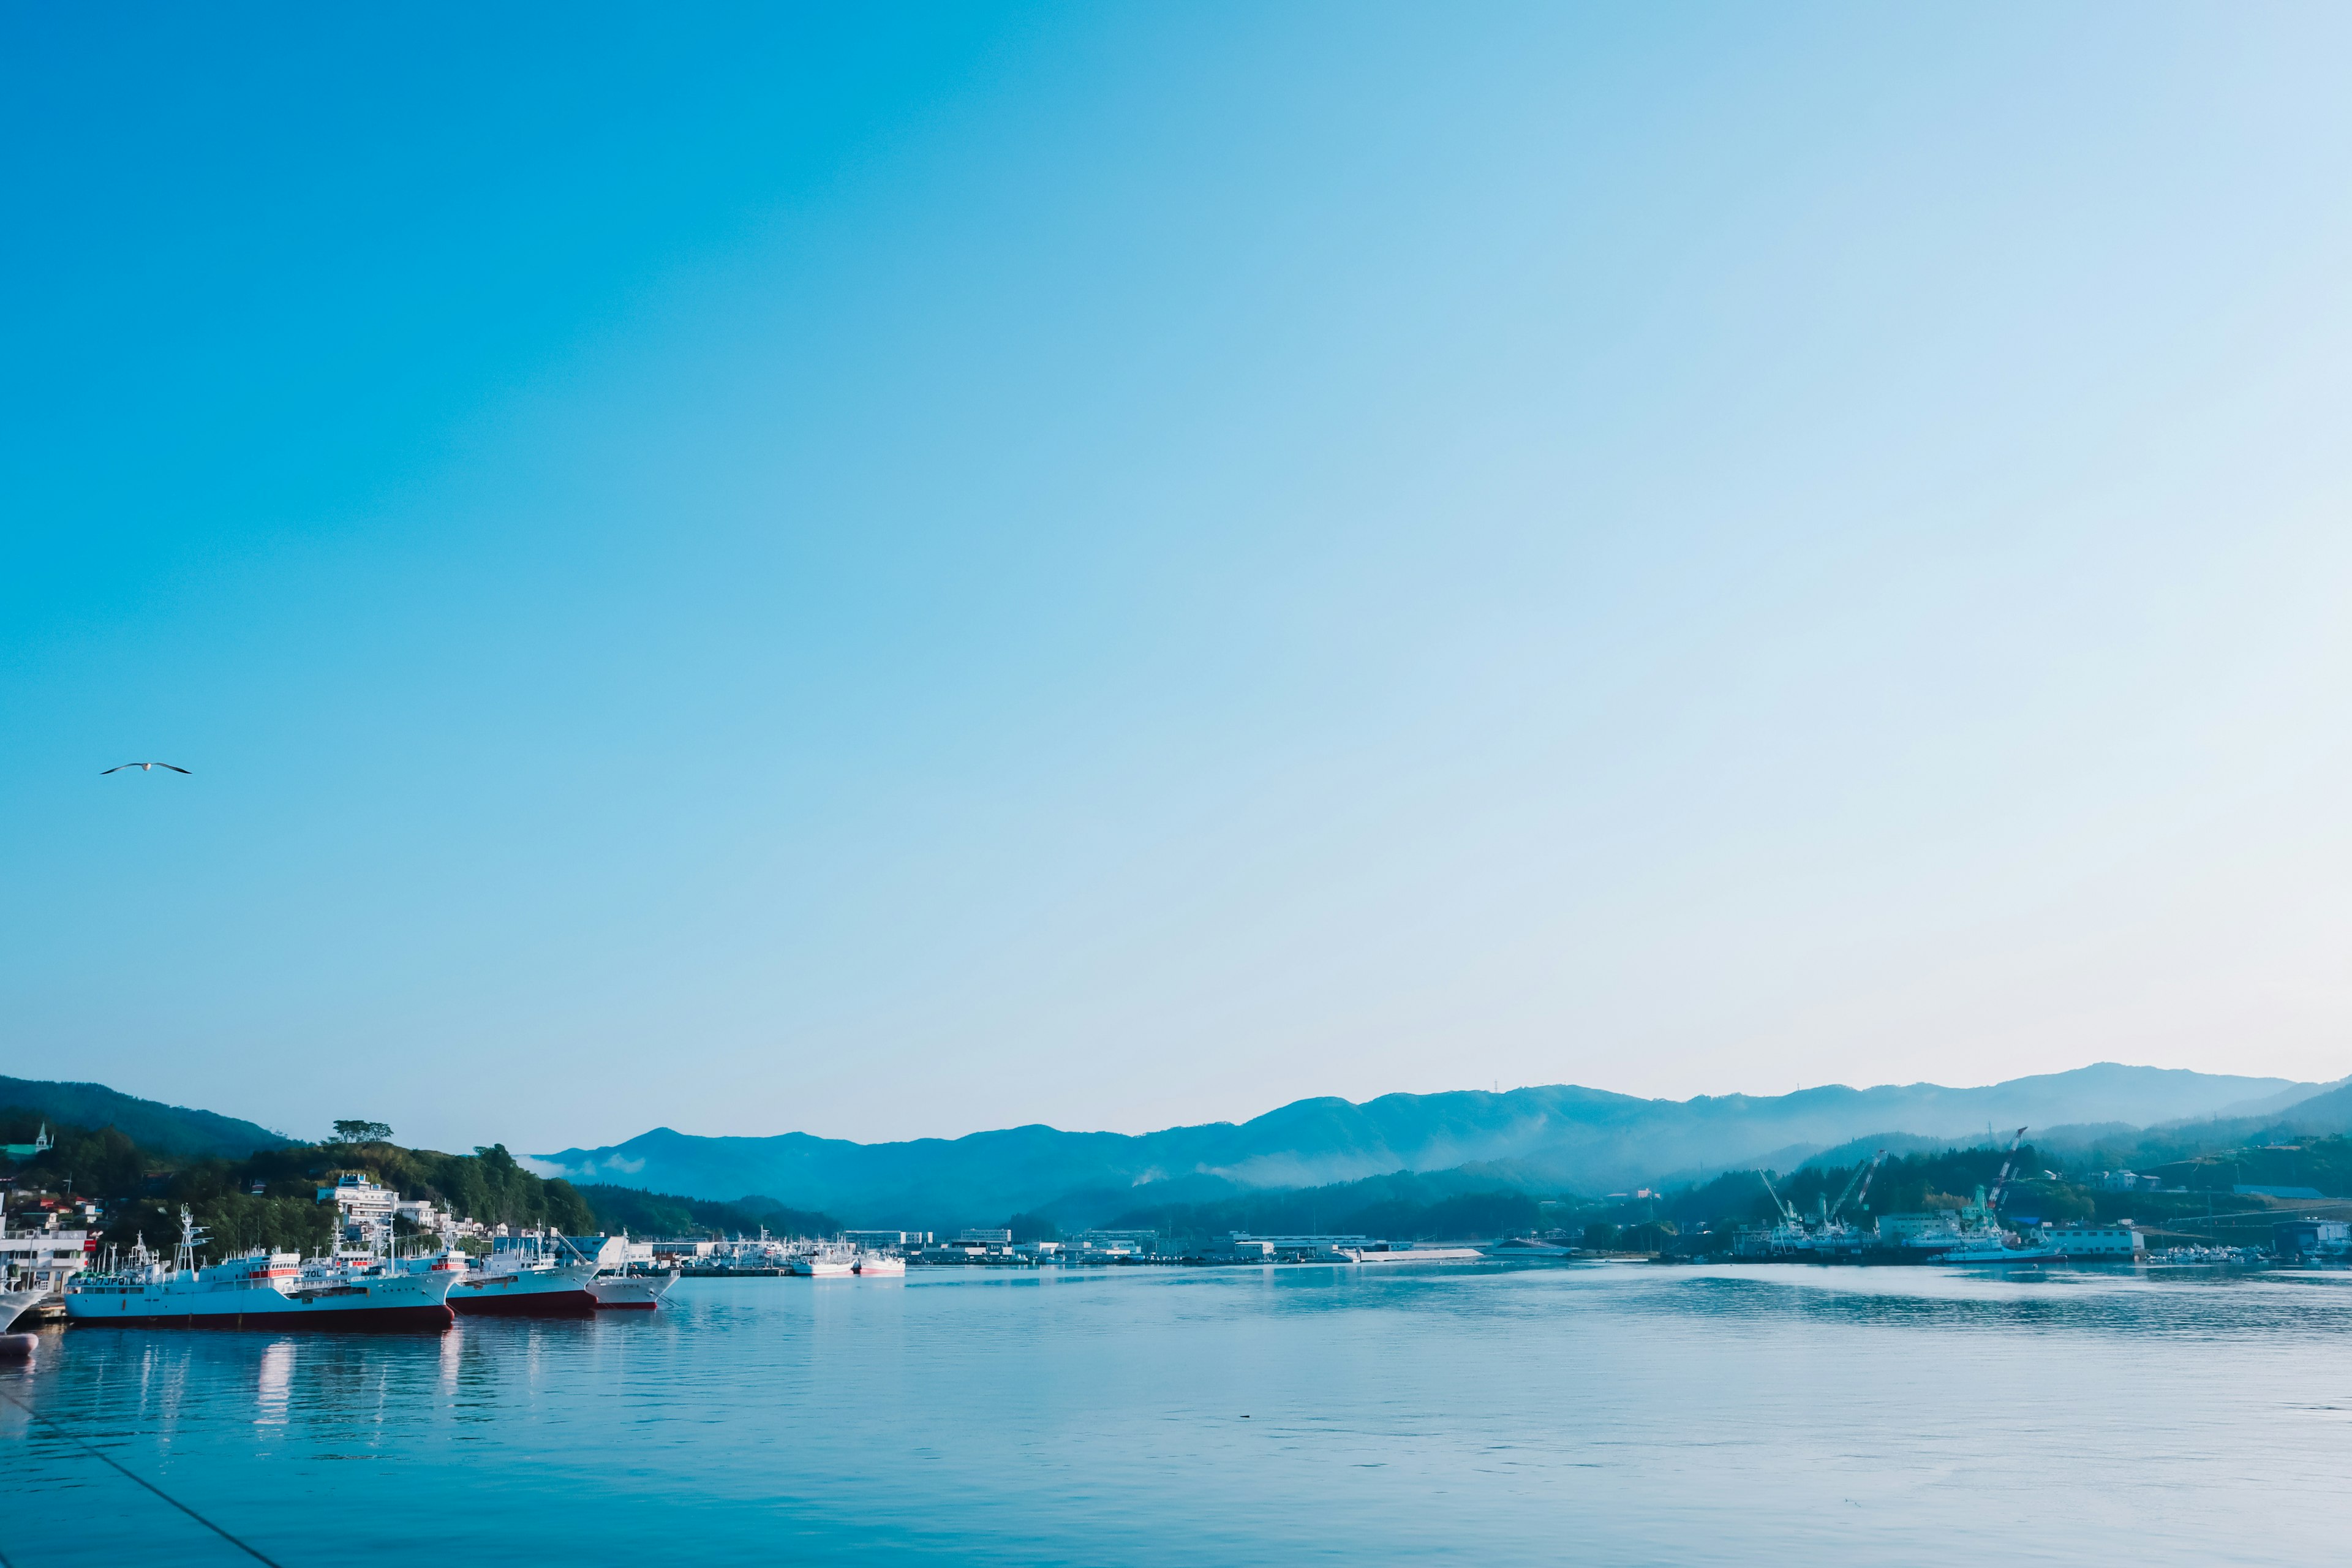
<point x="870" y="1264"/>
<point x="259" y="1290"/>
<point x="527" y="1276"/>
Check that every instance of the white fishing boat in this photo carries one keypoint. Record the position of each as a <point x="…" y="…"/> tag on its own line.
<point x="631" y="1293"/>
<point x="872" y="1264"/>
<point x="257" y="1291"/>
<point x="529" y="1276"/>
<point x="826" y="1261"/>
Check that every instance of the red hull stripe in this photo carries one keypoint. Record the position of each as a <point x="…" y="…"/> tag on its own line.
<point x="545" y="1304"/>
<point x="360" y="1317"/>
<point x="625" y="1305"/>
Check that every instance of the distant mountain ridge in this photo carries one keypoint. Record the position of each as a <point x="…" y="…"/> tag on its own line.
<point x="170" y="1129"/>
<point x="1566" y="1136"/>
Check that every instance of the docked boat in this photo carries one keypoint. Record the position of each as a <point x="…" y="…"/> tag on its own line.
<point x="872" y="1264"/>
<point x="12" y="1303"/>
<point x="826" y="1261"/>
<point x="527" y="1276"/>
<point x="257" y="1291"/>
<point x="1972" y="1236"/>
<point x="639" y="1292"/>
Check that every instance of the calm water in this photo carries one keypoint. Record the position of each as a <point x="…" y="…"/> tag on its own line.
<point x="1605" y="1414"/>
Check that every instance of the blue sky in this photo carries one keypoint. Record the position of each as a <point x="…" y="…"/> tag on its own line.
<point x="1114" y="566"/>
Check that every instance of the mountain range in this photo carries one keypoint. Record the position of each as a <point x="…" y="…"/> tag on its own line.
<point x="1559" y="1137"/>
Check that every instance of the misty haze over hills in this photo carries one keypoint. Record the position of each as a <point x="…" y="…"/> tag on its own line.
<point x="1560" y="1137"/>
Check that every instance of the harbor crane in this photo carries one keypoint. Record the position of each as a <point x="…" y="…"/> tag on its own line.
<point x="1857" y="1186"/>
<point x="2009" y="1159"/>
<point x="1780" y="1206"/>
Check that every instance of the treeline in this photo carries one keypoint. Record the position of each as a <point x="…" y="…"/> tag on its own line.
<point x="668" y="1214"/>
<point x="270" y="1198"/>
<point x="2322" y="1163"/>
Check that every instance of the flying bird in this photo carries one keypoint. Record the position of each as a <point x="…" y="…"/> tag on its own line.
<point x="143" y="767"/>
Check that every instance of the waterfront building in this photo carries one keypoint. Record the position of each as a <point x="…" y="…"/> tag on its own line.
<point x="879" y="1240"/>
<point x="2310" y="1238"/>
<point x="45" y="1257"/>
<point x="1108" y="1246"/>
<point x="1241" y="1247"/>
<point x="2120" y="1240"/>
<point x="1900" y="1227"/>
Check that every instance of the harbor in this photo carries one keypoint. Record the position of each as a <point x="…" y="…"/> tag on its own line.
<point x="1171" y="1415"/>
<point x="385" y="1271"/>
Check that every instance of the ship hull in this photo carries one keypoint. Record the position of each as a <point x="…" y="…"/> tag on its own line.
<point x="571" y="1302"/>
<point x="361" y="1320"/>
<point x="407" y="1303"/>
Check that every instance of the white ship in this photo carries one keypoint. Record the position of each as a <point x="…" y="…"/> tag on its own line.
<point x="613" y="1287"/>
<point x="14" y="1302"/>
<point x="257" y="1290"/>
<point x="823" y="1261"/>
<point x="527" y="1276"/>
<point x="871" y="1264"/>
<point x="641" y="1292"/>
<point x="1972" y="1235"/>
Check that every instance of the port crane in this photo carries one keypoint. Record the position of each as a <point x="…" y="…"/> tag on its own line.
<point x="2009" y="1159"/>
<point x="1857" y="1186"/>
<point x="1780" y="1206"/>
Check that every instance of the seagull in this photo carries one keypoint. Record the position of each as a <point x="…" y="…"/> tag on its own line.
<point x="143" y="767"/>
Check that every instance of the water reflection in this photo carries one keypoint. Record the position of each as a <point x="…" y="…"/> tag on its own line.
<point x="1491" y="1414"/>
<point x="276" y="1377"/>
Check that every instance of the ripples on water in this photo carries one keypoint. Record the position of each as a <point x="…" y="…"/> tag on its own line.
<point x="1610" y="1413"/>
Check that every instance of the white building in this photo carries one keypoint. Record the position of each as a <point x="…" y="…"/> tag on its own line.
<point x="48" y="1256"/>
<point x="877" y="1239"/>
<point x="1243" y="1246"/>
<point x="422" y="1213"/>
<point x="367" y="1208"/>
<point x="2098" y="1241"/>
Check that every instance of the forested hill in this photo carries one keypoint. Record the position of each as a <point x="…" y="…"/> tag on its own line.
<point x="167" y="1129"/>
<point x="1560" y="1137"/>
<point x="271" y="1196"/>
